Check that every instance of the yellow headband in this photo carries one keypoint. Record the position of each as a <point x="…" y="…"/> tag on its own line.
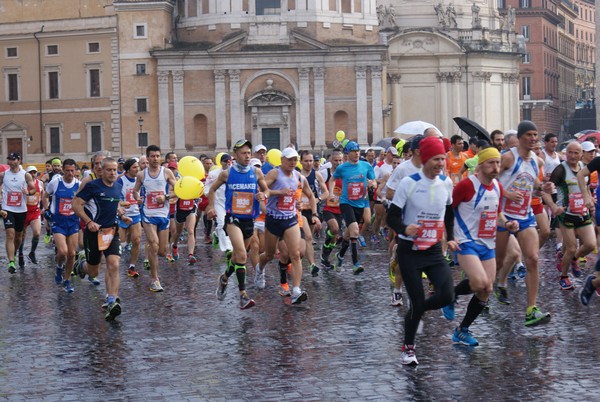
<point x="486" y="154"/>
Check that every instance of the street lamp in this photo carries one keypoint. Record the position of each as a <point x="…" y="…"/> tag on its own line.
<point x="141" y="124"/>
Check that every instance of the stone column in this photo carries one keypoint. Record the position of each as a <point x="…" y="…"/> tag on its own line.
<point x="442" y="124"/>
<point x="303" y="137"/>
<point x="361" y="105"/>
<point x="220" y="115"/>
<point x="456" y="76"/>
<point x="480" y="79"/>
<point x="511" y="116"/>
<point x="164" y="121"/>
<point x="235" y="106"/>
<point x="319" y="88"/>
<point x="178" y="110"/>
<point x="396" y="101"/>
<point x="376" y="104"/>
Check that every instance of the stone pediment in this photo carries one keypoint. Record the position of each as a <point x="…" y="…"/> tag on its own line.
<point x="415" y="43"/>
<point x="13" y="126"/>
<point x="298" y="41"/>
<point x="269" y="97"/>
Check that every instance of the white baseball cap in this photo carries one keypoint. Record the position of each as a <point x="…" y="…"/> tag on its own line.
<point x="255" y="161"/>
<point x="34" y="169"/>
<point x="586" y="146"/>
<point x="259" y="147"/>
<point x="289" y="153"/>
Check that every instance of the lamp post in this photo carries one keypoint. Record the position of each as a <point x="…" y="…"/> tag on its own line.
<point x="141" y="124"/>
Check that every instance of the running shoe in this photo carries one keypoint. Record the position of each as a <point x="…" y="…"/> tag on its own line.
<point x="583" y="260"/>
<point x="47" y="238"/>
<point x="207" y="239"/>
<point x="501" y="294"/>
<point x="106" y="303"/>
<point x="170" y="258"/>
<point x="575" y="268"/>
<point x="93" y="280"/>
<point x="357" y="268"/>
<point x="192" y="259"/>
<point x="284" y="290"/>
<point x="325" y="264"/>
<point x="408" y="356"/>
<point x="128" y="247"/>
<point x="21" y="260"/>
<point x="147" y="264"/>
<point x="78" y="267"/>
<point x="299" y="297"/>
<point x="565" y="283"/>
<point x="175" y="252"/>
<point x="587" y="291"/>
<point x="314" y="270"/>
<point x="337" y="267"/>
<point x="245" y="301"/>
<point x="155" y="286"/>
<point x="396" y="299"/>
<point x="132" y="273"/>
<point x="114" y="310"/>
<point x="536" y="317"/>
<point x="448" y="311"/>
<point x="12" y="267"/>
<point x="222" y="287"/>
<point x="215" y="240"/>
<point x="58" y="276"/>
<point x="375" y="239"/>
<point x="559" y="257"/>
<point x="32" y="258"/>
<point x="259" y="278"/>
<point x="464" y="336"/>
<point x="512" y="276"/>
<point x="68" y="287"/>
<point x="521" y="270"/>
<point x="449" y="260"/>
<point x="361" y="241"/>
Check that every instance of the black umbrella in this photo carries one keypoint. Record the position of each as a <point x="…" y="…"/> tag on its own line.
<point x="472" y="129"/>
<point x="385" y="143"/>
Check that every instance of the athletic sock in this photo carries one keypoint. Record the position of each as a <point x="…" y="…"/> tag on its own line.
<point x="282" y="272"/>
<point x="345" y="245"/>
<point x="475" y="307"/>
<point x="463" y="288"/>
<point x="354" y="248"/>
<point x="240" y="274"/>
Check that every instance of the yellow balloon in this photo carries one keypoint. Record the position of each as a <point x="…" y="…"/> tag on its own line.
<point x="340" y="135"/>
<point x="274" y="157"/>
<point x="218" y="158"/>
<point x="215" y="167"/>
<point x="189" y="188"/>
<point x="191" y="166"/>
<point x="299" y="165"/>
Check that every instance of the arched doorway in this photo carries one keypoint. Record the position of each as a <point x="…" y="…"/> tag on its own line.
<point x="270" y="111"/>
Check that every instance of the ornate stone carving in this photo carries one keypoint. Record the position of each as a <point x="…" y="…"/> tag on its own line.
<point x="441" y="15"/>
<point x="451" y="16"/>
<point x="178" y="76"/>
<point x="482" y="76"/>
<point x="476" y="20"/>
<point x="394" y="78"/>
<point x="219" y="75"/>
<point x="376" y="71"/>
<point x="163" y="77"/>
<point x="510" y="77"/>
<point x="234" y="74"/>
<point x="361" y="72"/>
<point x="386" y="16"/>
<point x="444" y="76"/>
<point x="303" y="73"/>
<point x="456" y="76"/>
<point x="319" y="73"/>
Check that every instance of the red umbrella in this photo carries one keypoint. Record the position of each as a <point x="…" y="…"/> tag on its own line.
<point x="587" y="136"/>
<point x="4" y="168"/>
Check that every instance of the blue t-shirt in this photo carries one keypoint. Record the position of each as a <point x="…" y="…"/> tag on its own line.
<point x="102" y="202"/>
<point x="266" y="168"/>
<point x="354" y="182"/>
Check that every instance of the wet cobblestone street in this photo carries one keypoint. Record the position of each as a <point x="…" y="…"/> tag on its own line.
<point x="342" y="344"/>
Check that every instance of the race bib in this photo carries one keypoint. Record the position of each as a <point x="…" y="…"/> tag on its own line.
<point x="151" y="202"/>
<point x="105" y="237"/>
<point x="304" y="203"/>
<point x="129" y="197"/>
<point x="241" y="203"/>
<point x="33" y="200"/>
<point x="186" y="205"/>
<point x="429" y="233"/>
<point x="577" y="204"/>
<point x="356" y="191"/>
<point x="14" y="199"/>
<point x="287" y="203"/>
<point x="65" y="207"/>
<point x="518" y="209"/>
<point x="487" y="225"/>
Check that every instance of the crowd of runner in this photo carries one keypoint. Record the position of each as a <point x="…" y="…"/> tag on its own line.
<point x="487" y="208"/>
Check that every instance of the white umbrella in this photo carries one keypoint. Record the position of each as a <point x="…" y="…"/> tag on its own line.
<point x="413" y="128"/>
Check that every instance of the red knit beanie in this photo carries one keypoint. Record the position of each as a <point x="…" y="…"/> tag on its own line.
<point x="430" y="147"/>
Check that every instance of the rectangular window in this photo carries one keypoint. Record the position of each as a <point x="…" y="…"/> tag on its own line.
<point x="268" y="7"/>
<point x="139" y="31"/>
<point x="526" y="59"/>
<point x="94" y="83"/>
<point x="346" y="6"/>
<point x="93" y="47"/>
<point x="95" y="138"/>
<point x="52" y="50"/>
<point x="141" y="105"/>
<point x="13" y="86"/>
<point x="526" y="114"/>
<point x="142" y="140"/>
<point x="525" y="3"/>
<point x="525" y="31"/>
<point x="53" y="85"/>
<point x="140" y="69"/>
<point x="11" y="52"/>
<point x="55" y="140"/>
<point x="501" y="3"/>
<point x="526" y="87"/>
